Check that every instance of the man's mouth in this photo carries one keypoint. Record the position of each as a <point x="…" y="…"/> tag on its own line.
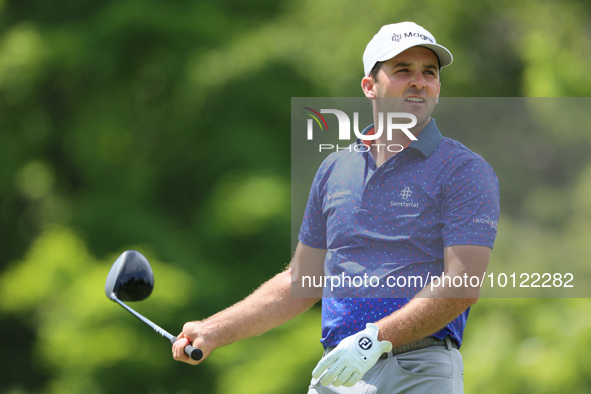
<point x="415" y="100"/>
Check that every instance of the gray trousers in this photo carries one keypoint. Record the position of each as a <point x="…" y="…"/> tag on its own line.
<point x="434" y="369"/>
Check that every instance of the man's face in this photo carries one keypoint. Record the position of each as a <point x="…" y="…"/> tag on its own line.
<point x="413" y="76"/>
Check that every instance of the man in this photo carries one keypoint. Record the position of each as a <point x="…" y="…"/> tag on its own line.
<point x="384" y="345"/>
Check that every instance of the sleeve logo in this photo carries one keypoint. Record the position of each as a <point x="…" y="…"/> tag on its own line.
<point x="486" y="220"/>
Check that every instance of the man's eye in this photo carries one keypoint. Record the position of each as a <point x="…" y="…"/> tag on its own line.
<point x="402" y="70"/>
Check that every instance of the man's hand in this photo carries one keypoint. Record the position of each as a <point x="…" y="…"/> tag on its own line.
<point x="192" y="334"/>
<point x="352" y="358"/>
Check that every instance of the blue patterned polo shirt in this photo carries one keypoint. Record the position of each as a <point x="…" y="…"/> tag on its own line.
<point x="392" y="222"/>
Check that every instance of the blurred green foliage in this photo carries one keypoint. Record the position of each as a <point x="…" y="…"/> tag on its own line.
<point x="164" y="127"/>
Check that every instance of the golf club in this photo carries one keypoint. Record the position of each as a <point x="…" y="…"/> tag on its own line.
<point x="131" y="279"/>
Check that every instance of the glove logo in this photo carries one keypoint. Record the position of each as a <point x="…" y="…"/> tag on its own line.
<point x="365" y="343"/>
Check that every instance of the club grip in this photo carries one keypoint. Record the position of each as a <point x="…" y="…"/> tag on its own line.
<point x="193" y="352"/>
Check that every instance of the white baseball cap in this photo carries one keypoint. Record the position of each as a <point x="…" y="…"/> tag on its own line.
<point x="398" y="37"/>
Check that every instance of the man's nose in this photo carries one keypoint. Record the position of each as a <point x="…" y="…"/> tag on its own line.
<point x="418" y="80"/>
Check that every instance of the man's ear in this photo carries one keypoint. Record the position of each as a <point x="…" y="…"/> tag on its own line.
<point x="368" y="85"/>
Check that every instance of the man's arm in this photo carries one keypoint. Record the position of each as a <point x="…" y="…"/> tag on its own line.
<point x="433" y="309"/>
<point x="267" y="307"/>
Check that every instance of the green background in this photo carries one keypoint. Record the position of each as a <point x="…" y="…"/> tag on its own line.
<point x="164" y="126"/>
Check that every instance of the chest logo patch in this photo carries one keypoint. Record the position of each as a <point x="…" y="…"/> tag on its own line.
<point x="406" y="193"/>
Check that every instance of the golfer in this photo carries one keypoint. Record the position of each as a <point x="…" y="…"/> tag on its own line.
<point x="428" y="210"/>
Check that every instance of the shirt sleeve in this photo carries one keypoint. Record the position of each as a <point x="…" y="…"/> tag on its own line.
<point x="471" y="204"/>
<point x="313" y="228"/>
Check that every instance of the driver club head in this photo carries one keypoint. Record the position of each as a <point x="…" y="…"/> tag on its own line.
<point x="130" y="278"/>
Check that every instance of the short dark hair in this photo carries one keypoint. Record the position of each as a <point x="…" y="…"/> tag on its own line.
<point x="374" y="71"/>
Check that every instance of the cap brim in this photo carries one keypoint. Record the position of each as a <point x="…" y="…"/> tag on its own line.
<point x="443" y="54"/>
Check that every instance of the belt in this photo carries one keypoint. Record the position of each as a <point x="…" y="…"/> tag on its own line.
<point x="421" y="344"/>
<point x="416" y="345"/>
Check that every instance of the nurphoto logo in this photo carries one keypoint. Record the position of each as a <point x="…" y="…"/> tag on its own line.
<point x="387" y="122"/>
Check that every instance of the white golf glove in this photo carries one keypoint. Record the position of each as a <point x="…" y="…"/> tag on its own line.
<point x="352" y="358"/>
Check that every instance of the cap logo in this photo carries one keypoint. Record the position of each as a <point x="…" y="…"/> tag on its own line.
<point x="396" y="37"/>
<point x="423" y="37"/>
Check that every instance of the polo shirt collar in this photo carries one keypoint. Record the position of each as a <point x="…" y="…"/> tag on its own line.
<point x="426" y="142"/>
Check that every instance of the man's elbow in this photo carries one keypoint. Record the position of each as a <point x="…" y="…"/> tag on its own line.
<point x="470" y="297"/>
<point x="471" y="301"/>
<point x="465" y="297"/>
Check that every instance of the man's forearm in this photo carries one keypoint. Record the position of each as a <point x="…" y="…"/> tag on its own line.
<point x="420" y="318"/>
<point x="267" y="307"/>
<point x="433" y="308"/>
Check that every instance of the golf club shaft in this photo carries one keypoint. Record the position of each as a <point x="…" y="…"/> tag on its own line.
<point x="194" y="353"/>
